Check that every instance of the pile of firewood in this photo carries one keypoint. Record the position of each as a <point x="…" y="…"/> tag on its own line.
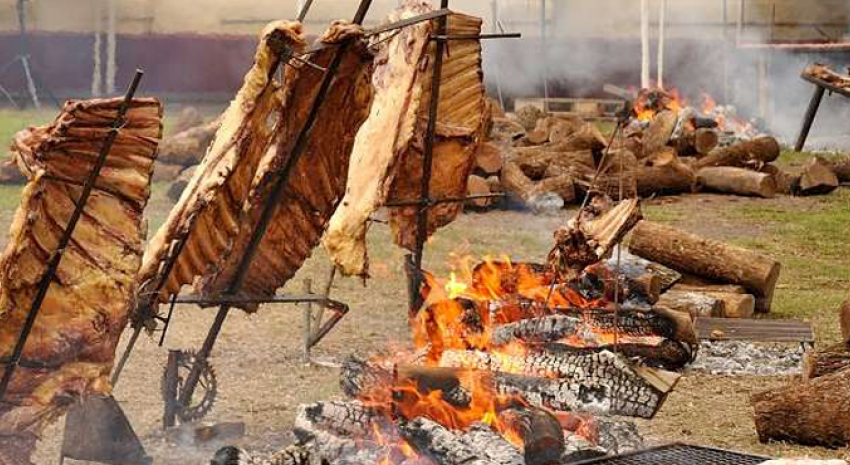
<point x="662" y="149"/>
<point x="816" y="409"/>
<point x="680" y="271"/>
<point x="183" y="149"/>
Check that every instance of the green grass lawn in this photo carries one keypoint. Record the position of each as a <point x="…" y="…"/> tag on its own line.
<point x="12" y="121"/>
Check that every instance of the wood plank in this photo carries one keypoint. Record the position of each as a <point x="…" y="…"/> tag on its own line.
<point x="755" y="330"/>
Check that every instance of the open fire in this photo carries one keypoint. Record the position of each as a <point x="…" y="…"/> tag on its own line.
<point x="512" y="363"/>
<point x="703" y="113"/>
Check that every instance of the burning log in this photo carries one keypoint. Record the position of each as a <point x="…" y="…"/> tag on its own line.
<point x="574" y="379"/>
<point x="752" y="153"/>
<point x="479" y="446"/>
<point x="817" y="178"/>
<point x="814" y="412"/>
<point x="590" y="236"/>
<point x="737" y="181"/>
<point x="339" y="430"/>
<point x="691" y="303"/>
<point x="540" y="431"/>
<point x="827" y="361"/>
<point x="705" y="257"/>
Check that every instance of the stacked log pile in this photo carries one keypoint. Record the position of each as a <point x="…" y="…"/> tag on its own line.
<point x="537" y="159"/>
<point x="715" y="279"/>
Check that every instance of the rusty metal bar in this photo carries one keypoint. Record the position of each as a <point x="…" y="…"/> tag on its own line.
<point x="428" y="157"/>
<point x="302" y="15"/>
<point x="809" y="118"/>
<point x="267" y="213"/>
<point x="65" y="239"/>
<point x="428" y="203"/>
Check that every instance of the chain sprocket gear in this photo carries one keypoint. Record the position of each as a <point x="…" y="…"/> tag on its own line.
<point x="205" y="392"/>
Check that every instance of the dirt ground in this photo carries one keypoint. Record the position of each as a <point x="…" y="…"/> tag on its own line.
<point x="262" y="377"/>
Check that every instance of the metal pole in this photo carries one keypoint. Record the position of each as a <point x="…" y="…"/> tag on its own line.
<point x="56" y="258"/>
<point x="494" y="5"/>
<point x="428" y="157"/>
<point x="809" y="119"/>
<point x="303" y="9"/>
<point x="644" y="45"/>
<point x="111" y="46"/>
<point x="308" y="320"/>
<point x="739" y="30"/>
<point x="545" y="45"/>
<point x="267" y="213"/>
<point x="662" y="26"/>
<point x="25" y="54"/>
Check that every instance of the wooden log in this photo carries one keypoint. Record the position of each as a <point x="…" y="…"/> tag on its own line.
<point x="562" y="185"/>
<point x="844" y="319"/>
<point x="10" y="173"/>
<point x="506" y="130"/>
<point x="589" y="237"/>
<point x="479" y="446"/>
<point x="538" y="162"/>
<point x="495" y="184"/>
<point x="814" y="412"/>
<point x="738" y="181"/>
<point x="658" y="134"/>
<point x="841" y="168"/>
<point x="736" y="302"/>
<point x="752" y="153"/>
<point x="817" y="178"/>
<point x="786" y="183"/>
<point x="696" y="305"/>
<point x="488" y="160"/>
<point x="476" y="185"/>
<point x="823" y="362"/>
<point x="188" y="147"/>
<point x="163" y="172"/>
<point x="708" y="258"/>
<point x="671" y="179"/>
<point x="188" y="118"/>
<point x="696" y="143"/>
<point x="516" y="182"/>
<point x="707" y="288"/>
<point x="735" y="305"/>
<point x="540" y="431"/>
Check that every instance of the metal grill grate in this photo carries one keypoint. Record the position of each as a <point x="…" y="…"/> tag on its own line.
<point x="679" y="454"/>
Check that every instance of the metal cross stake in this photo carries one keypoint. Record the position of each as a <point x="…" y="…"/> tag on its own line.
<point x="64" y="240"/>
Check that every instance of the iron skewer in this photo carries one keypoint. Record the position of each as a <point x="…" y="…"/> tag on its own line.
<point x="65" y="239"/>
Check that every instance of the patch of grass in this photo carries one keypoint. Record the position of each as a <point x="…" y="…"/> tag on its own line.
<point x="809" y="237"/>
<point x="12" y="121"/>
<point x="791" y="159"/>
<point x="662" y="213"/>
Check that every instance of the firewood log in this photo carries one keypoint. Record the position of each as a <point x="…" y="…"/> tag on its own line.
<point x="671" y="179"/>
<point x="708" y="258"/>
<point x="702" y="287"/>
<point x="476" y="185"/>
<point x="495" y="184"/>
<point x="696" y="143"/>
<point x="844" y="318"/>
<point x="540" y="431"/>
<point x="187" y="148"/>
<point x="814" y="412"/>
<point x="506" y="130"/>
<point x="786" y="183"/>
<point x="817" y="178"/>
<point x="753" y="153"/>
<point x="586" y="137"/>
<point x="337" y="429"/>
<point x="536" y="161"/>
<point x="528" y="116"/>
<point x="516" y="182"/>
<point x="557" y="381"/>
<point x="488" y="160"/>
<point x="658" y="134"/>
<point x="589" y="237"/>
<point x="696" y="305"/>
<point x="479" y="446"/>
<point x="826" y="361"/>
<point x="737" y="181"/>
<point x="841" y="168"/>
